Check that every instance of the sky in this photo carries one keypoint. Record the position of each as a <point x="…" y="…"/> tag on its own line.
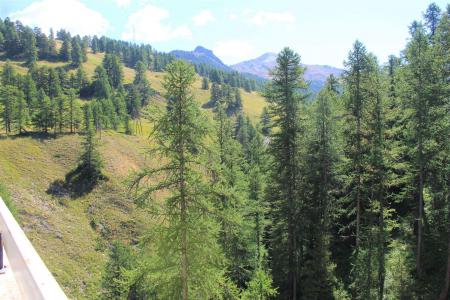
<point x="321" y="31"/>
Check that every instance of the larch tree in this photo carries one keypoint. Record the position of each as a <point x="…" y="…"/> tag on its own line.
<point x="185" y="260"/>
<point x="285" y="99"/>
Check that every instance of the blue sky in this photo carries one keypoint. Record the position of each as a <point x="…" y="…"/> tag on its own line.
<point x="322" y="32"/>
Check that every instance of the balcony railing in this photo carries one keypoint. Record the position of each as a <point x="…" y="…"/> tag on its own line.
<point x="25" y="276"/>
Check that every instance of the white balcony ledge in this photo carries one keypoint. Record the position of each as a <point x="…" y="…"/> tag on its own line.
<point x="25" y="276"/>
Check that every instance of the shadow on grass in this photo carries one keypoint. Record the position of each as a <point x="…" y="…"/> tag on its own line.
<point x="78" y="182"/>
<point x="40" y="136"/>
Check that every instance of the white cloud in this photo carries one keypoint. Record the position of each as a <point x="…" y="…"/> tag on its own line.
<point x="232" y="16"/>
<point x="145" y="25"/>
<point x="233" y="51"/>
<point x="123" y="3"/>
<point x="71" y="15"/>
<point x="260" y="18"/>
<point x="203" y="18"/>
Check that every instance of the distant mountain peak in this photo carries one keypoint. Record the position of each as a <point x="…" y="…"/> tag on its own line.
<point x="201" y="49"/>
<point x="260" y="66"/>
<point x="201" y="55"/>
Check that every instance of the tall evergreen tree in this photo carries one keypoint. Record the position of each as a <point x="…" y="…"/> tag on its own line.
<point x="8" y="103"/>
<point x="100" y="84"/>
<point x="30" y="49"/>
<point x="265" y="121"/>
<point x="205" y="83"/>
<point x="141" y="83"/>
<point x="285" y="100"/>
<point x="77" y="54"/>
<point x="193" y="264"/>
<point x="114" y="69"/>
<point x="74" y="111"/>
<point x="65" y="53"/>
<point x="317" y="277"/>
<point x="21" y="117"/>
<point x="42" y="119"/>
<point x="53" y="53"/>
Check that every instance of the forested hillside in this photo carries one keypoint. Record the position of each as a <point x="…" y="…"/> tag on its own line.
<point x="138" y="176"/>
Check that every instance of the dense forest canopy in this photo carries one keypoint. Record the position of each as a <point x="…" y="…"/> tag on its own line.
<point x="346" y="196"/>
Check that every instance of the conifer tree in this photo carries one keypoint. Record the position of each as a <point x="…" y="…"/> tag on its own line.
<point x="8" y="74"/>
<point x="42" y="119"/>
<point x="193" y="264"/>
<point x="432" y="15"/>
<point x="88" y="173"/>
<point x="283" y="95"/>
<point x="74" y="111"/>
<point x="52" y="45"/>
<point x="65" y="53"/>
<point x="77" y="54"/>
<point x="265" y="121"/>
<point x="418" y="79"/>
<point x="30" y="91"/>
<point x="31" y="51"/>
<point x="205" y="83"/>
<point x="60" y="113"/>
<point x="21" y="118"/>
<point x="320" y="163"/>
<point x="114" y="69"/>
<point x="230" y="187"/>
<point x="100" y="84"/>
<point x="141" y="83"/>
<point x="8" y="105"/>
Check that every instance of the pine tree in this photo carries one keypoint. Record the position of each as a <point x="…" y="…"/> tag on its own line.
<point x="113" y="67"/>
<point x="60" y="113"/>
<point x="417" y="78"/>
<point x="94" y="44"/>
<point x="100" y="84"/>
<point x="8" y="74"/>
<point x="42" y="119"/>
<point x="230" y="188"/>
<point x="355" y="76"/>
<point x="31" y="51"/>
<point x="77" y="54"/>
<point x="53" y="84"/>
<point x="30" y="91"/>
<point x="260" y="285"/>
<point x="88" y="172"/>
<point x="432" y="15"/>
<point x="205" y="83"/>
<point x="74" y="111"/>
<point x="320" y="163"/>
<point x="65" y="53"/>
<point x="8" y="101"/>
<point x="52" y="45"/>
<point x="141" y="83"/>
<point x="193" y="264"/>
<point x="283" y="95"/>
<point x="265" y="121"/>
<point x="21" y="118"/>
<point x="12" y="43"/>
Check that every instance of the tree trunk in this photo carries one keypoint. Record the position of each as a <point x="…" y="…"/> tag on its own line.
<point x="420" y="217"/>
<point x="444" y="292"/>
<point x="184" y="258"/>
<point x="445" y="288"/>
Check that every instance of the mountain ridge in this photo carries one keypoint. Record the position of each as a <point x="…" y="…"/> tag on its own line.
<point x="258" y="67"/>
<point x="201" y="55"/>
<point x="261" y="65"/>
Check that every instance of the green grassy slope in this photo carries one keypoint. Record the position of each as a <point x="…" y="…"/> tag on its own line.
<point x="71" y="234"/>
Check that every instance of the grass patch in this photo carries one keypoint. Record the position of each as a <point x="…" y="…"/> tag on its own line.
<point x="6" y="196"/>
